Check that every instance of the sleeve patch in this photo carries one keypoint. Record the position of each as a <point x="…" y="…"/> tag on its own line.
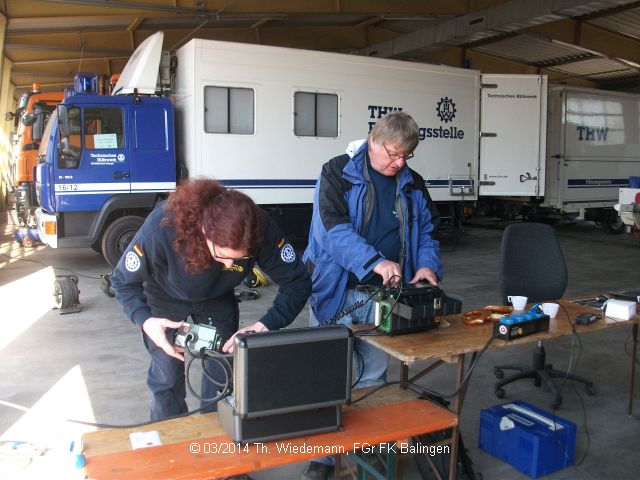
<point x="288" y="254"/>
<point x="131" y="262"/>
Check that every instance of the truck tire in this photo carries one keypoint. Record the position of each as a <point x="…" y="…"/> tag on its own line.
<point x="117" y="237"/>
<point x="612" y="223"/>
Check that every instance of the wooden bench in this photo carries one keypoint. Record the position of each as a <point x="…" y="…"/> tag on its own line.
<point x="196" y="447"/>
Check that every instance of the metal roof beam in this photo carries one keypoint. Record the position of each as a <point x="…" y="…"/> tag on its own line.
<point x="497" y="20"/>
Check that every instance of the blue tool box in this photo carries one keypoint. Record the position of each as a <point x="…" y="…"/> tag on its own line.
<point x="533" y="441"/>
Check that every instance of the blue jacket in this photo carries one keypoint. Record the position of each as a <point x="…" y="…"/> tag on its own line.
<point x="342" y="206"/>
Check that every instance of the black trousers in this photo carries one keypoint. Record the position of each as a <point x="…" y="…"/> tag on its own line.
<point x="166" y="375"/>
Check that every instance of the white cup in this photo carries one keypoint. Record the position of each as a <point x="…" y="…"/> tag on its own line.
<point x="550" y="309"/>
<point x="518" y="302"/>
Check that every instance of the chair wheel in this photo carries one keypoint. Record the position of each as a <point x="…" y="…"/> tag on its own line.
<point x="591" y="389"/>
<point x="499" y="393"/>
<point x="498" y="373"/>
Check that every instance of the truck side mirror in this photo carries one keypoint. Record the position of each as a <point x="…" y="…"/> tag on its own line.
<point x="28" y="119"/>
<point x="69" y="155"/>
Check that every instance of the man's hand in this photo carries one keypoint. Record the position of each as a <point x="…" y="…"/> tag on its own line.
<point x="155" y="328"/>
<point x="256" y="327"/>
<point x="389" y="271"/>
<point x="427" y="274"/>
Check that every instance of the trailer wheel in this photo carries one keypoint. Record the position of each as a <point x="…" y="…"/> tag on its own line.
<point x="613" y="223"/>
<point x="117" y="237"/>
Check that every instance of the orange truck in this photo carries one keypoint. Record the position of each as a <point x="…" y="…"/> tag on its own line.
<point x="30" y="118"/>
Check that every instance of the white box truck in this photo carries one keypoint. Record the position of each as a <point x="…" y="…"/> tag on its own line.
<point x="264" y="119"/>
<point x="592" y="148"/>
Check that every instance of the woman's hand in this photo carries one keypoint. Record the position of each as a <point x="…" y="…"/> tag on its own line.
<point x="256" y="327"/>
<point x="156" y="328"/>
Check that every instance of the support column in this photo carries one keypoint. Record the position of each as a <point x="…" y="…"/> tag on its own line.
<point x="7" y="104"/>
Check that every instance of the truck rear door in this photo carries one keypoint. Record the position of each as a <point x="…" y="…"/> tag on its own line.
<point x="513" y="135"/>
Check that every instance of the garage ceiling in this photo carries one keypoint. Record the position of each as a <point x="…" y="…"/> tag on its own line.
<point x="593" y="43"/>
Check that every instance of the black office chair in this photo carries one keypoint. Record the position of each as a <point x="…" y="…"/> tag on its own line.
<point x="532" y="265"/>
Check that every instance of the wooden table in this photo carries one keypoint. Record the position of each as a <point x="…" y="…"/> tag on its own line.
<point x="451" y="343"/>
<point x="192" y="445"/>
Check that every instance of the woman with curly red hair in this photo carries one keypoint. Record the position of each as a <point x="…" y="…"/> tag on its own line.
<point x="184" y="262"/>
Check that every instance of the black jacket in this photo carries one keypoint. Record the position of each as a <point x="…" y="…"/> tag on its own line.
<point x="150" y="268"/>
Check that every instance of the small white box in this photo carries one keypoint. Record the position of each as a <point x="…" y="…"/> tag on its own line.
<point x="621" y="309"/>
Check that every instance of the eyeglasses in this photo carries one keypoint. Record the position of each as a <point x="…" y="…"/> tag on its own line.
<point x="397" y="156"/>
<point x="222" y="257"/>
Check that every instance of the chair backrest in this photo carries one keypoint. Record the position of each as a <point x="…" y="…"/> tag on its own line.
<point x="532" y="263"/>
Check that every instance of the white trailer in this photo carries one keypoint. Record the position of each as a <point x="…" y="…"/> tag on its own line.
<point x="594" y="147"/>
<point x="264" y="119"/>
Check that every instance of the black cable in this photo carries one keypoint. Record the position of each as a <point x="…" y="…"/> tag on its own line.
<point x="351" y="308"/>
<point x="360" y="360"/>
<point x="52" y="266"/>
<point x="376" y="389"/>
<point x="630" y="337"/>
<point x="423" y="389"/>
<point x="586" y="426"/>
<point x="376" y="327"/>
<point x="221" y="359"/>
<point x="571" y="371"/>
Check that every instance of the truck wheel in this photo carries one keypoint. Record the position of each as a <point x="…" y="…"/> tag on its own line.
<point x="117" y="237"/>
<point x="613" y="223"/>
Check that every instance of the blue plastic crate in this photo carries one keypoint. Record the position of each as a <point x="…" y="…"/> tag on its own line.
<point x="531" y="440"/>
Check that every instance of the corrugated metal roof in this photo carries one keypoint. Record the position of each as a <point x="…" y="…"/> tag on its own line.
<point x="534" y="50"/>
<point x="627" y="22"/>
<point x="53" y="36"/>
<point x="596" y="68"/>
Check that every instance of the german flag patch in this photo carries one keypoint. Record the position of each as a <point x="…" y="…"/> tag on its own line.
<point x="138" y="250"/>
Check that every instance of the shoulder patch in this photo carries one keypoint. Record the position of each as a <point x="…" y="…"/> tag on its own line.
<point x="287" y="253"/>
<point x="131" y="262"/>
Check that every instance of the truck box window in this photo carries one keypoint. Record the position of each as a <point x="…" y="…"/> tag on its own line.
<point x="103" y="128"/>
<point x="315" y="114"/>
<point x="228" y="110"/>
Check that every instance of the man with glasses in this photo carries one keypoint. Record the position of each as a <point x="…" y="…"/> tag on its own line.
<point x="184" y="262"/>
<point x="372" y="224"/>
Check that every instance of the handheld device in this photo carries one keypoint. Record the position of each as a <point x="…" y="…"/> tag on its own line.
<point x="196" y="337"/>
<point x="587" y="318"/>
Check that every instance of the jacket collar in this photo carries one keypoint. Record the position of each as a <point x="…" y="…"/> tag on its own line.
<point x="354" y="170"/>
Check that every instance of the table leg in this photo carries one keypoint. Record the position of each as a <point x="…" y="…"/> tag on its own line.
<point x="404" y="375"/>
<point x="632" y="387"/>
<point x="337" y="462"/>
<point x="457" y="406"/>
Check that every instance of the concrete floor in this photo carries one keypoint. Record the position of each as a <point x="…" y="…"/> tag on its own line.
<point x="92" y="364"/>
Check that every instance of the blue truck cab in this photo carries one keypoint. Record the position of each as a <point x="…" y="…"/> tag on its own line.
<point x="104" y="163"/>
